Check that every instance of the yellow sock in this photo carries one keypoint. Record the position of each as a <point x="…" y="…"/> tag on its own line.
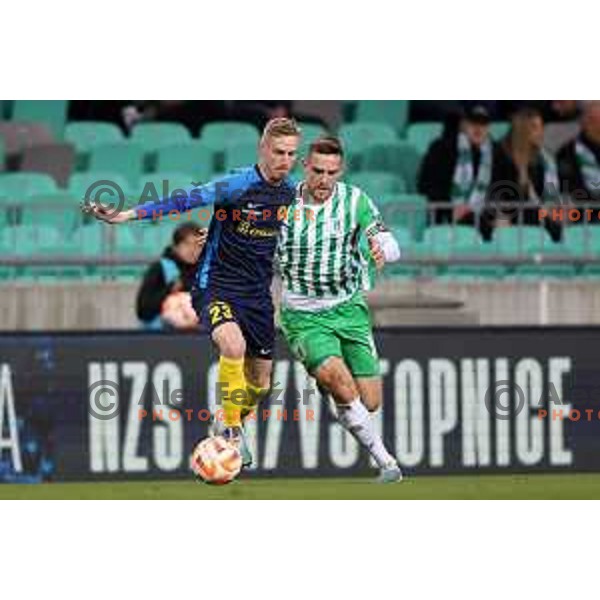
<point x="255" y="395"/>
<point x="231" y="377"/>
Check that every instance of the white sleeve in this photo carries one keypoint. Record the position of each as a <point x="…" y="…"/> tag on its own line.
<point x="389" y="246"/>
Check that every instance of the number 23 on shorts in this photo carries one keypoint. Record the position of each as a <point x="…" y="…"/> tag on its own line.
<point x="219" y="311"/>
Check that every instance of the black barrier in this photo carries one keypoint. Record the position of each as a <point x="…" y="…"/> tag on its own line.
<point x="131" y="405"/>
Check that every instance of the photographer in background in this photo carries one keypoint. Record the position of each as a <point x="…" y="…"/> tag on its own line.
<point x="163" y="300"/>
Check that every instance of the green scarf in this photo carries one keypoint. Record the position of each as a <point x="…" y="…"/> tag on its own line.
<point x="589" y="167"/>
<point x="551" y="182"/>
<point x="466" y="189"/>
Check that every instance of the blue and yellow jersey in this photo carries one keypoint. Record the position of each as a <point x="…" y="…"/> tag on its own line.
<point x="242" y="237"/>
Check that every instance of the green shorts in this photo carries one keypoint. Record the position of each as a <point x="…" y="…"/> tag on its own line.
<point x="344" y="331"/>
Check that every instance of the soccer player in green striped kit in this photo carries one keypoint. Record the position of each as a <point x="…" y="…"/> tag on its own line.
<point x="324" y="316"/>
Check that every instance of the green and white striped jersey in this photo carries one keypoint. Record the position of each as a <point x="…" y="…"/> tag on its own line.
<point x="319" y="251"/>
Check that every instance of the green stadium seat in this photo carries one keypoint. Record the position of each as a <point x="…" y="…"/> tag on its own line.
<point x="499" y="129"/>
<point x="8" y="240"/>
<point x="310" y="132"/>
<point x="591" y="271"/>
<point x="375" y="184"/>
<point x="127" y="241"/>
<point x="125" y="159"/>
<point x="222" y="134"/>
<point x="582" y="240"/>
<point x="405" y="210"/>
<point x="393" y="157"/>
<point x="194" y="158"/>
<point x="525" y="240"/>
<point x="154" y="136"/>
<point x="448" y="239"/>
<point x="79" y="183"/>
<point x="21" y="185"/>
<point x="388" y="198"/>
<point x="420" y="135"/>
<point x="392" y="112"/>
<point x="86" y="135"/>
<point x="241" y="155"/>
<point x="403" y="236"/>
<point x="53" y="113"/>
<point x="59" y="210"/>
<point x="357" y="137"/>
<point x="7" y="273"/>
<point x="528" y="272"/>
<point x="154" y="239"/>
<point x="90" y="240"/>
<point x="25" y="240"/>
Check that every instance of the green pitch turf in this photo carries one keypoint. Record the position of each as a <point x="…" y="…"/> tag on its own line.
<point x="502" y="487"/>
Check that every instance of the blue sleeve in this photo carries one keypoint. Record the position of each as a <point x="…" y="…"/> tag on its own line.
<point x="222" y="190"/>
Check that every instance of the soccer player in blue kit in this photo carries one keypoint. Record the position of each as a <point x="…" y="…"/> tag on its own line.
<point x="232" y="294"/>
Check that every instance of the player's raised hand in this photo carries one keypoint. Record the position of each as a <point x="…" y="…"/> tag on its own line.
<point x="376" y="253"/>
<point x="107" y="214"/>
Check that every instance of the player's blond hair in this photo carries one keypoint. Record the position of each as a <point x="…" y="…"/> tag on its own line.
<point x="280" y="127"/>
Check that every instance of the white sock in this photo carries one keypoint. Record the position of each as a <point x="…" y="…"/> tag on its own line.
<point x="333" y="410"/>
<point x="356" y="419"/>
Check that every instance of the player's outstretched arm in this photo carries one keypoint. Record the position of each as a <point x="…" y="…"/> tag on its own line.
<point x="108" y="215"/>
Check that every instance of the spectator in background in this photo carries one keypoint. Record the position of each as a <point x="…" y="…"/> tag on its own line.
<point x="163" y="300"/>
<point x="523" y="172"/>
<point x="457" y="169"/>
<point x="579" y="161"/>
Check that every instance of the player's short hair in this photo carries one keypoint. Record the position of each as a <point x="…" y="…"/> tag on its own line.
<point x="280" y="127"/>
<point x="327" y="144"/>
<point x="185" y="230"/>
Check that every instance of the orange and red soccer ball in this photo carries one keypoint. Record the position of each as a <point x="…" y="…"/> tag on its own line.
<point x="216" y="461"/>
